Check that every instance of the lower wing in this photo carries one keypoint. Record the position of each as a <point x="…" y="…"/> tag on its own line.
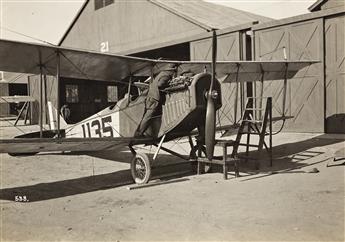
<point x="22" y="146"/>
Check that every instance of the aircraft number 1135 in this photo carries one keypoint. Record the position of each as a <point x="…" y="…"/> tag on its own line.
<point x="99" y="126"/>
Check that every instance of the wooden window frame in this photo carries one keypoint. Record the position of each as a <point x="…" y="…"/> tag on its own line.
<point x="74" y="98"/>
<point x="116" y="94"/>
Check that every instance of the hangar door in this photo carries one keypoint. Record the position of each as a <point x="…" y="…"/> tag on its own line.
<point x="49" y="93"/>
<point x="4" y="107"/>
<point x="305" y="92"/>
<point x="228" y="48"/>
<point x="335" y="74"/>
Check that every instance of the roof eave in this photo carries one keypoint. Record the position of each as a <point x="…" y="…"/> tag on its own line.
<point x="188" y="18"/>
<point x="73" y="22"/>
<point x="316" y="5"/>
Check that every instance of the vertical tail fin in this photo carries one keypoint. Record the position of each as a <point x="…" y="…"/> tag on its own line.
<point x="52" y="118"/>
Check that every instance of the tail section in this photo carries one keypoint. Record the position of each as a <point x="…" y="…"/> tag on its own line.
<point x="52" y="118"/>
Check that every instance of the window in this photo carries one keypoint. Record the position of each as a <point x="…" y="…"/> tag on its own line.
<point x="112" y="94"/>
<point x="72" y="94"/>
<point x="102" y="3"/>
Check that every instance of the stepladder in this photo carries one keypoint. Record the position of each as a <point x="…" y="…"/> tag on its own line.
<point x="256" y="120"/>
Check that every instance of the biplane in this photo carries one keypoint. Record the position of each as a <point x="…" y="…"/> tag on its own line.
<point x="191" y="100"/>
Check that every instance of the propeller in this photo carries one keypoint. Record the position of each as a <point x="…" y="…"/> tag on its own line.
<point x="210" y="124"/>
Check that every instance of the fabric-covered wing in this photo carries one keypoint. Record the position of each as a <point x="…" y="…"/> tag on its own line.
<point x="35" y="145"/>
<point x="249" y="71"/>
<point x="30" y="58"/>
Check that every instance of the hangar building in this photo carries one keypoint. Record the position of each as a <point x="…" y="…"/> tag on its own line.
<point x="180" y="30"/>
<point x="12" y="84"/>
<point x="316" y="99"/>
<point x="149" y="28"/>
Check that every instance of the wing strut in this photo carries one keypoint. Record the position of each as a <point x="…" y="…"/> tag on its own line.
<point x="129" y="89"/>
<point x="285" y="87"/>
<point x="236" y="94"/>
<point x="261" y="93"/>
<point x="41" y="93"/>
<point x="58" y="92"/>
<point x="285" y="80"/>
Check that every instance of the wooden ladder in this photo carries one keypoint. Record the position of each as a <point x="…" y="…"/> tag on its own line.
<point x="252" y="123"/>
<point x="255" y="121"/>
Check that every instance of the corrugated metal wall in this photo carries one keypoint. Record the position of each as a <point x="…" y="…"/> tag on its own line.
<point x="305" y="92"/>
<point x="229" y="47"/>
<point x="335" y="74"/>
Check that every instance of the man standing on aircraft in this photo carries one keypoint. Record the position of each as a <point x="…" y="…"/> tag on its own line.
<point x="155" y="98"/>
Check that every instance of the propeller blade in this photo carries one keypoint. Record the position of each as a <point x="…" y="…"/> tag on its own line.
<point x="210" y="124"/>
<point x="210" y="127"/>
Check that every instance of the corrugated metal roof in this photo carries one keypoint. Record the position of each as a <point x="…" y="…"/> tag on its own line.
<point x="209" y="15"/>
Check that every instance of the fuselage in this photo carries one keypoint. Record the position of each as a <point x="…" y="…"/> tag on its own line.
<point x="183" y="111"/>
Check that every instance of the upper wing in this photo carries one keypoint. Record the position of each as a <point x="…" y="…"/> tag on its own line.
<point x="35" y="145"/>
<point x="249" y="71"/>
<point x="29" y="58"/>
<point x="34" y="58"/>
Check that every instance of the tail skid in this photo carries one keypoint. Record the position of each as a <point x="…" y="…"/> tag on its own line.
<point x="52" y="118"/>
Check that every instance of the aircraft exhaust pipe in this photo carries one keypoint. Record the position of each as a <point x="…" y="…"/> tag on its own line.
<point x="210" y="124"/>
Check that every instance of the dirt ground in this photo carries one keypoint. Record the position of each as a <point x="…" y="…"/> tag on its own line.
<point x="85" y="197"/>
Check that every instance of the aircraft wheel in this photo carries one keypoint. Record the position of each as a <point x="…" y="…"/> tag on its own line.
<point x="194" y="154"/>
<point x="141" y="168"/>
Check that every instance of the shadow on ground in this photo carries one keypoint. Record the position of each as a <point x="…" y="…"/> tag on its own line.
<point x="58" y="189"/>
<point x="287" y="158"/>
<point x="51" y="190"/>
<point x="290" y="157"/>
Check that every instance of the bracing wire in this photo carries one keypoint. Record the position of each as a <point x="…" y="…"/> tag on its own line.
<point x="25" y="35"/>
<point x="17" y="77"/>
<point x="22" y="131"/>
<point x="86" y="76"/>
